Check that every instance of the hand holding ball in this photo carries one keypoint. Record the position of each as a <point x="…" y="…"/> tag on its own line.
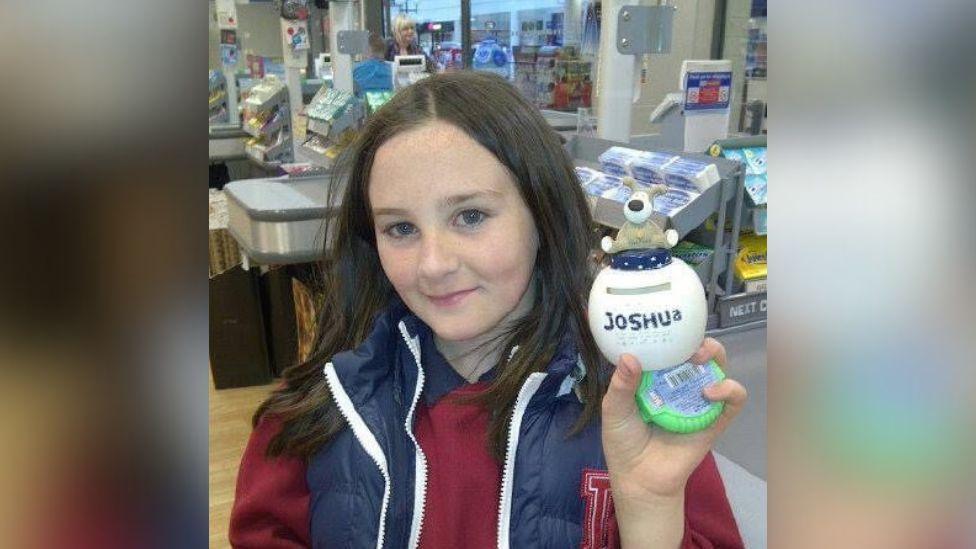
<point x="652" y="305"/>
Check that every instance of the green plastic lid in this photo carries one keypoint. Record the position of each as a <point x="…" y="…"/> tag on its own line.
<point x="693" y="412"/>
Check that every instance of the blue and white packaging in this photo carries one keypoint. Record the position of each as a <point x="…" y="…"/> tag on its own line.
<point x="602" y="184"/>
<point x="690" y="175"/>
<point x="671" y="202"/>
<point x="755" y="159"/>
<point x="649" y="167"/>
<point x="586" y="175"/>
<point x="646" y="167"/>
<point x="756" y="187"/>
<point x="618" y="194"/>
<point x="616" y="160"/>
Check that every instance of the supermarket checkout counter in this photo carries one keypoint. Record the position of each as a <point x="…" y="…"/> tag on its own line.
<point x="228" y="157"/>
<point x="278" y="221"/>
<point x="227" y="142"/>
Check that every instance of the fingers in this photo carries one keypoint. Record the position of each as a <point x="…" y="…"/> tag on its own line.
<point x="733" y="394"/>
<point x="618" y="403"/>
<point x="710" y="349"/>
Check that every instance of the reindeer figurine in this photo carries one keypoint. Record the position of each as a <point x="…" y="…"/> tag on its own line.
<point x="639" y="232"/>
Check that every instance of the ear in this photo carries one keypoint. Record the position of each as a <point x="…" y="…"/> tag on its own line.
<point x="630" y="182"/>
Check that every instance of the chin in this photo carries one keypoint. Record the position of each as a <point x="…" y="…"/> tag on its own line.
<point x="453" y="331"/>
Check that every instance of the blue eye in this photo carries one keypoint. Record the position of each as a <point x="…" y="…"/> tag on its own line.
<point x="400" y="230"/>
<point x="471" y="218"/>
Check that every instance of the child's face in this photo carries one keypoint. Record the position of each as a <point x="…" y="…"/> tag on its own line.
<point x="454" y="236"/>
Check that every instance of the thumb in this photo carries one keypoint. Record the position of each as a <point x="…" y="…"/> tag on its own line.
<point x="618" y="403"/>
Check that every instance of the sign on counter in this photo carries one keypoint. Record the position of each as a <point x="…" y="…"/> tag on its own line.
<point x="741" y="309"/>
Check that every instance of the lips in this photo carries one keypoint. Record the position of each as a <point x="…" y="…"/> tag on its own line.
<point x="451" y="299"/>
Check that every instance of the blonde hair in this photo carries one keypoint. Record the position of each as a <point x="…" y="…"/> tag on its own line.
<point x="402" y="21"/>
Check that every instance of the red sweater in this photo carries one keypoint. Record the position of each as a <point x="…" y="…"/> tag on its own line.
<point x="271" y="509"/>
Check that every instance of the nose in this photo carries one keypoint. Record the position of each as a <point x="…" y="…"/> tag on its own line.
<point x="635" y="205"/>
<point x="438" y="256"/>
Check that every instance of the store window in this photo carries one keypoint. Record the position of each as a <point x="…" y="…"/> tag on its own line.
<point x="745" y="45"/>
<point x="546" y="48"/>
<point x="538" y="45"/>
<point x="437" y="29"/>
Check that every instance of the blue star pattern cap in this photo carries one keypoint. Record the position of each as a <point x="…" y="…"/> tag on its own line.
<point x="641" y="260"/>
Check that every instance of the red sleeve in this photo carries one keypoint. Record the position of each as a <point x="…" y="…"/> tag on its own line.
<point x="709" y="522"/>
<point x="271" y="503"/>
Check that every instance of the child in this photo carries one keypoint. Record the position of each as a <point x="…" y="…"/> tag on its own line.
<point x="455" y="397"/>
<point x="373" y="73"/>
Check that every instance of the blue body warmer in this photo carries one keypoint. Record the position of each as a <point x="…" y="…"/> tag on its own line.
<point x="369" y="472"/>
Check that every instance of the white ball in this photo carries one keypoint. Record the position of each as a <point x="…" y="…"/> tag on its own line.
<point x="657" y="315"/>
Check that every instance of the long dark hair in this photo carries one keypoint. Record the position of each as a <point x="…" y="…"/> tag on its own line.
<point x="495" y="115"/>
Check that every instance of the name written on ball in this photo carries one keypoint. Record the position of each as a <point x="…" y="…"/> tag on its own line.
<point x="641" y="321"/>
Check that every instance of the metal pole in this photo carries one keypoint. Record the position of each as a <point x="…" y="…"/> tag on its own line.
<point x="717" y="244"/>
<point x="466" y="53"/>
<point x="340" y="18"/>
<point x="615" y="80"/>
<point x="718" y="29"/>
<point x="230" y="84"/>
<point x="740" y="189"/>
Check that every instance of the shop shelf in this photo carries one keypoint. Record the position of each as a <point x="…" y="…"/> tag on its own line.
<point x="267" y="128"/>
<point x="265" y="95"/>
<point x="315" y="156"/>
<point x="270" y="155"/>
<point x="226" y="142"/>
<point x="218" y="98"/>
<point x="586" y="151"/>
<point x="320" y="127"/>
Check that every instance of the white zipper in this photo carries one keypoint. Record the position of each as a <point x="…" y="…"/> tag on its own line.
<point x="420" y="461"/>
<point x="365" y="438"/>
<point x="525" y="395"/>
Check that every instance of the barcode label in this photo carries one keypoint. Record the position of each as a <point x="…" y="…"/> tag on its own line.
<point x="680" y="376"/>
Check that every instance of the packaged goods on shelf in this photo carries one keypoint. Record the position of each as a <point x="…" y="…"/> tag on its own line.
<point x="691" y="253"/>
<point x="647" y="167"/>
<point x="750" y="261"/>
<point x="754" y="159"/>
<point x="756" y="186"/>
<point x="616" y="160"/>
<point x="333" y="111"/>
<point x="329" y="104"/>
<point x="603" y="184"/>
<point x="267" y="118"/>
<point x="317" y="143"/>
<point x="618" y="194"/>
<point x="690" y="175"/>
<point x="219" y="116"/>
<point x="586" y="175"/>
<point x="651" y="167"/>
<point x="218" y="98"/>
<point x="754" y="286"/>
<point x="673" y="201"/>
<point x="376" y="99"/>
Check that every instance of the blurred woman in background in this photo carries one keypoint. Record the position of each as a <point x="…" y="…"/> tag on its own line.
<point x="404" y="41"/>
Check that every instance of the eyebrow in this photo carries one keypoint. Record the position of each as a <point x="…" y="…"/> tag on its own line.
<point x="447" y="202"/>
